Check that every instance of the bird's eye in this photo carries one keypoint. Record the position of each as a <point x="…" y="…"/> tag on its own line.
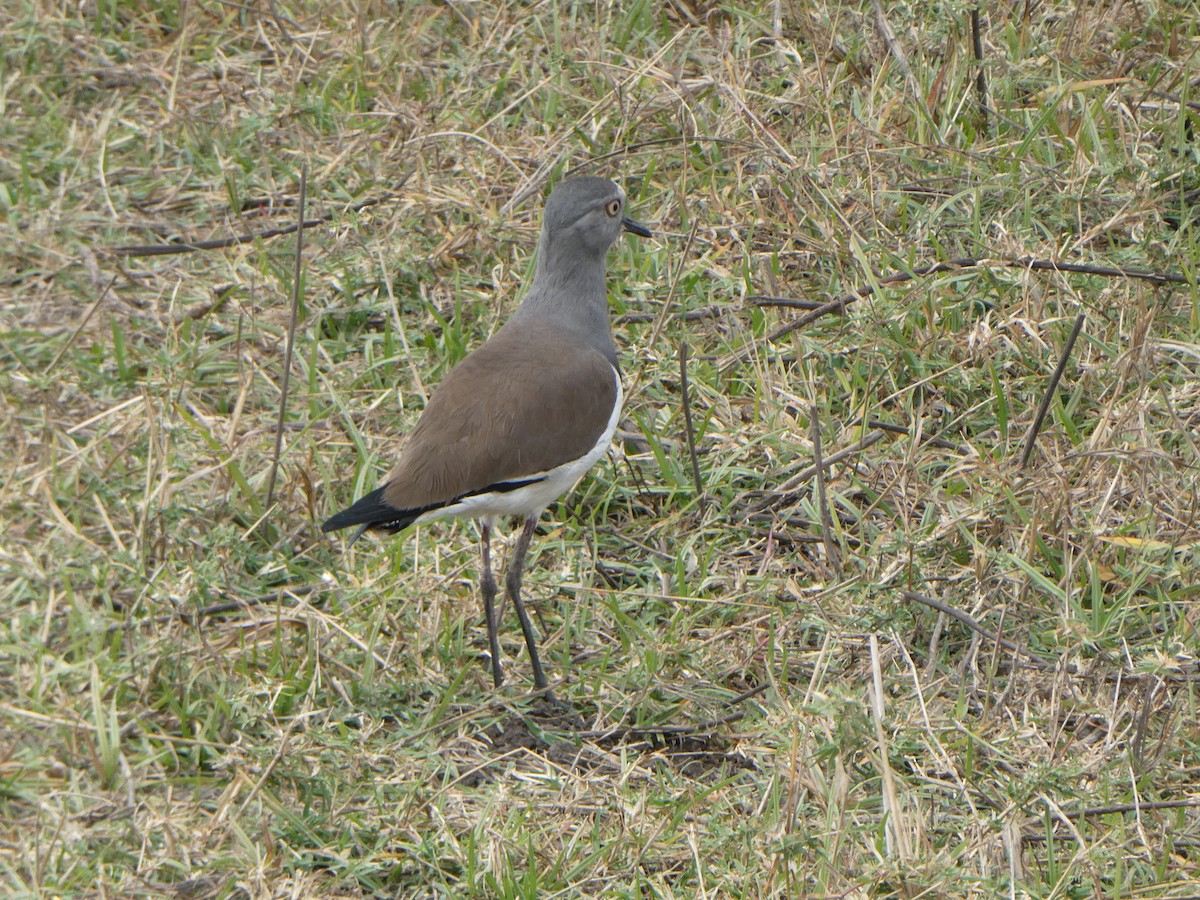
<point x="613" y="207"/>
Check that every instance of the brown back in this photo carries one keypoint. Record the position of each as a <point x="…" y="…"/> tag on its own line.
<point x="528" y="400"/>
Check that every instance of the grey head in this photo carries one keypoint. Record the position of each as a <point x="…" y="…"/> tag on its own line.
<point x="582" y="219"/>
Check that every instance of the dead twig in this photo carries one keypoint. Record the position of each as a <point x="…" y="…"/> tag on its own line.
<point x="689" y="431"/>
<point x="91" y="310"/>
<point x="235" y="240"/>
<point x="1036" y="427"/>
<point x="966" y="619"/>
<point x="685" y="402"/>
<point x="861" y="293"/>
<point x="784" y="492"/>
<point x="692" y="315"/>
<point x="750" y="694"/>
<point x="1137" y="806"/>
<point x="980" y="77"/>
<point x="831" y="547"/>
<point x="220" y="609"/>
<point x="291" y="336"/>
<point x="761" y="300"/>
<point x="931" y="439"/>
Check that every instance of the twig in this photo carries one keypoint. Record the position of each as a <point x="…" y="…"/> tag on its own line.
<point x="297" y="270"/>
<point x="661" y="319"/>
<point x="897" y="836"/>
<point x="980" y="77"/>
<point x="1139" y="806"/>
<point x="91" y="310"/>
<point x="747" y="695"/>
<point x="689" y="432"/>
<point x="925" y="438"/>
<point x="1031" y="438"/>
<point x="280" y="22"/>
<point x="817" y="313"/>
<point x="692" y="315"/>
<point x="220" y="609"/>
<point x="966" y="619"/>
<point x="1176" y="98"/>
<point x="785" y="490"/>
<point x="861" y="293"/>
<point x="295" y="725"/>
<point x="1046" y="265"/>
<point x="683" y="381"/>
<point x="831" y="548"/>
<point x="222" y="243"/>
<point x="785" y="302"/>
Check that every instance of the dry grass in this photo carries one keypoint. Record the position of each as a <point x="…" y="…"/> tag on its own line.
<point x="331" y="731"/>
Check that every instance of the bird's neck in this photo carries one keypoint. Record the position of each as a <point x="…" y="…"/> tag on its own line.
<point x="573" y="297"/>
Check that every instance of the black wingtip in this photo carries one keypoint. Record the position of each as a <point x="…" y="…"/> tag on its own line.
<point x="370" y="511"/>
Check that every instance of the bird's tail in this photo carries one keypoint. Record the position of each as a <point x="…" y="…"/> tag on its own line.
<point x="371" y="512"/>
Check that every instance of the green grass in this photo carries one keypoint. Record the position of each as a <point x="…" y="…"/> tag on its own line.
<point x="334" y="733"/>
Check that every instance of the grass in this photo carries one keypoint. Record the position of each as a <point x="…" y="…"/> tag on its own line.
<point x="204" y="697"/>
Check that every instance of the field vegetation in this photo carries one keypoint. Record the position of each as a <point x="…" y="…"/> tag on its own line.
<point x="901" y="614"/>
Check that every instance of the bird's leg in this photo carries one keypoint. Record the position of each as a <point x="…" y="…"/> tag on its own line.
<point x="512" y="583"/>
<point x="487" y="587"/>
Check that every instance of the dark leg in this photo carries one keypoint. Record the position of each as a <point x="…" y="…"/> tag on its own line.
<point x="487" y="587"/>
<point x="512" y="584"/>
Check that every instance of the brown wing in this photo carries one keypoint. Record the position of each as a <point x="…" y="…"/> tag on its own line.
<point x="524" y="402"/>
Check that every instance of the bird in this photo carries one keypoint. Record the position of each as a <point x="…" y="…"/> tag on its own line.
<point x="519" y="420"/>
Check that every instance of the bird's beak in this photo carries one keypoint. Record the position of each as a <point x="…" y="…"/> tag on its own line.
<point x="636" y="227"/>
